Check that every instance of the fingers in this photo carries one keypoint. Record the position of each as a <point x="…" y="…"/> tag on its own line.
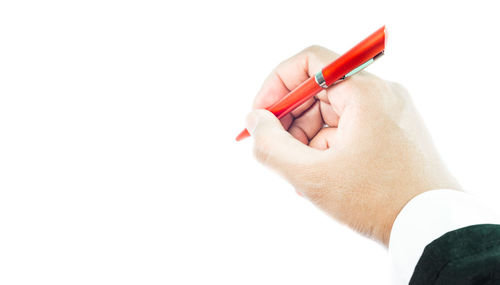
<point x="310" y="122"/>
<point x="275" y="147"/>
<point x="291" y="73"/>
<point x="329" y="116"/>
<point x="324" y="139"/>
<point x="305" y="127"/>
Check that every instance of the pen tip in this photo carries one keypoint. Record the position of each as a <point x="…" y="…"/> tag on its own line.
<point x="244" y="134"/>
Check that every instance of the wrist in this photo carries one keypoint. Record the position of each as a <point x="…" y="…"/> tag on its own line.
<point x="387" y="226"/>
<point x="392" y="211"/>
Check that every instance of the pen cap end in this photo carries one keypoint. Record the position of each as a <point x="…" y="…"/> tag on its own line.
<point x="385" y="37"/>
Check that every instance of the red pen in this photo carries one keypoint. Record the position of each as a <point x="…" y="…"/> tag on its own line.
<point x="348" y="64"/>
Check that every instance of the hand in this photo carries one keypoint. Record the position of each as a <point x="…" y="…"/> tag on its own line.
<point x="358" y="150"/>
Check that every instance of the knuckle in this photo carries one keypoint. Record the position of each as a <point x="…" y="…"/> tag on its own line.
<point x="315" y="52"/>
<point x="314" y="49"/>
<point x="400" y="93"/>
<point x="398" y="88"/>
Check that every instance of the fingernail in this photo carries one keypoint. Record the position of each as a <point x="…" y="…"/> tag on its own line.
<point x="251" y="122"/>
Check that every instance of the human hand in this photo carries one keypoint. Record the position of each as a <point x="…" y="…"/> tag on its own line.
<point x="358" y="150"/>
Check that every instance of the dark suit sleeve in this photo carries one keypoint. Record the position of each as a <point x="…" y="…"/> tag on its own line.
<point x="469" y="255"/>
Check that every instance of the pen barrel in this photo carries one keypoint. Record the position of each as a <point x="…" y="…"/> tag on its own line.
<point x="356" y="56"/>
<point x="295" y="98"/>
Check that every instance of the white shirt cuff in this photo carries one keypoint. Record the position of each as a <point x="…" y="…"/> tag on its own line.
<point x="427" y="217"/>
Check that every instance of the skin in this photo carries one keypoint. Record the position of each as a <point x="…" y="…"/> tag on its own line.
<point x="359" y="150"/>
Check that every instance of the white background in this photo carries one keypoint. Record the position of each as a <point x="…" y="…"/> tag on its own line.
<point x="118" y="163"/>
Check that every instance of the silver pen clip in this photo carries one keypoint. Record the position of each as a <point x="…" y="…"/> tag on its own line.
<point x="359" y="68"/>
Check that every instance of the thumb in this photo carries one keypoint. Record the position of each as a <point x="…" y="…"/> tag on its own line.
<point x="275" y="147"/>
